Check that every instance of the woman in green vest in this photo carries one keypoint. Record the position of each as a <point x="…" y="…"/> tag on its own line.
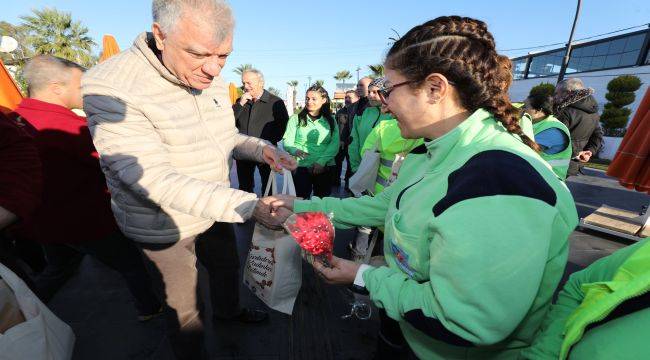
<point x="386" y="139"/>
<point x="363" y="125"/>
<point x="551" y="135"/>
<point x="313" y="137"/>
<point x="603" y="311"/>
<point x="476" y="225"/>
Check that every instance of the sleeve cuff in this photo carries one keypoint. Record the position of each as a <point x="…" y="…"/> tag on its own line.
<point x="358" y="279"/>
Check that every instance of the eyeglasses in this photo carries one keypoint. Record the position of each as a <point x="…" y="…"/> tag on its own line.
<point x="385" y="92"/>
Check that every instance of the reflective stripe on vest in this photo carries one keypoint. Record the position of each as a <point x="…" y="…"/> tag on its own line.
<point x="381" y="181"/>
<point x="386" y="162"/>
<point x="559" y="162"/>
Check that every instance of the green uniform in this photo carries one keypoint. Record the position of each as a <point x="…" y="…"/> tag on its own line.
<point x="559" y="161"/>
<point x="603" y="311"/>
<point x="361" y="128"/>
<point x="315" y="138"/>
<point x="387" y="139"/>
<point x="476" y="230"/>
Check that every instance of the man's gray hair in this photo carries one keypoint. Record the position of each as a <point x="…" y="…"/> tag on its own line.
<point x="215" y="13"/>
<point x="570" y="84"/>
<point x="41" y="70"/>
<point x="256" y="72"/>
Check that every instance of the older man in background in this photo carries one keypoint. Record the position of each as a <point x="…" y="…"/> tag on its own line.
<point x="260" y="114"/>
<point x="576" y="107"/>
<point x="161" y="119"/>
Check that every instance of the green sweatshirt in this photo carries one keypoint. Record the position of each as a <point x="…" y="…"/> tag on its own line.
<point x="475" y="240"/>
<point x="315" y="138"/>
<point x="387" y="139"/>
<point x="596" y="315"/>
<point x="361" y="128"/>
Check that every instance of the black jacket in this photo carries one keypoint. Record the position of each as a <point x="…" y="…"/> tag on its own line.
<point x="266" y="118"/>
<point x="579" y="112"/>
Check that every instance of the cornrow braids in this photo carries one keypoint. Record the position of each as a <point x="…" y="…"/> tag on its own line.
<point x="463" y="50"/>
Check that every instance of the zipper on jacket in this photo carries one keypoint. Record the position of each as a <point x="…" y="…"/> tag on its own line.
<point x="207" y="129"/>
<point x="399" y="197"/>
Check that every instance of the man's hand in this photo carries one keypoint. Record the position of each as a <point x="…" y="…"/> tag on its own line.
<point x="342" y="272"/>
<point x="269" y="217"/>
<point x="283" y="201"/>
<point x="278" y="159"/>
<point x="584" y="156"/>
<point x="301" y="154"/>
<point x="318" y="169"/>
<point x="246" y="97"/>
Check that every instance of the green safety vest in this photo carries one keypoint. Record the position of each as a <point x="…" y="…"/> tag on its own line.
<point x="632" y="279"/>
<point x="387" y="139"/>
<point x="560" y="161"/>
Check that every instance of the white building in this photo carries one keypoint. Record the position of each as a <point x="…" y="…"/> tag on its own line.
<point x="596" y="63"/>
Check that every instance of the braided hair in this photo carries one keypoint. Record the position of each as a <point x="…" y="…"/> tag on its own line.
<point x="463" y="50"/>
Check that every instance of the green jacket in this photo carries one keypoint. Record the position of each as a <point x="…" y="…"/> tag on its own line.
<point x="560" y="161"/>
<point x="361" y="128"/>
<point x="387" y="139"/>
<point x="591" y="295"/>
<point x="315" y="138"/>
<point x="476" y="230"/>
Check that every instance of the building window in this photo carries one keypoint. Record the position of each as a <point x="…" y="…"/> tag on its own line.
<point x="546" y="64"/>
<point x="609" y="54"/>
<point x="519" y="68"/>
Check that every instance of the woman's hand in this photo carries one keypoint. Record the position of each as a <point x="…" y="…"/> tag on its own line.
<point x="318" y="169"/>
<point x="283" y="201"/>
<point x="342" y="271"/>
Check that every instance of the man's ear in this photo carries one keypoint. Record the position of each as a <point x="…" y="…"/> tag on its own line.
<point x="158" y="36"/>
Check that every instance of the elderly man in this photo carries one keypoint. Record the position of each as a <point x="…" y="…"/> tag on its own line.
<point x="362" y="93"/>
<point x="575" y="106"/>
<point x="161" y="120"/>
<point x="260" y="114"/>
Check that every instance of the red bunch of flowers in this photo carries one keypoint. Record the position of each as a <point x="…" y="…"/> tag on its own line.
<point x="313" y="231"/>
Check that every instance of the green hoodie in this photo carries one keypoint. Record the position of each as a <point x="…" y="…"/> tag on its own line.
<point x="596" y="315"/>
<point x="361" y="128"/>
<point x="476" y="242"/>
<point x="315" y="138"/>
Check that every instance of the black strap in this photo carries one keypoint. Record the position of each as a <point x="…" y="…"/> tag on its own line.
<point x="378" y="116"/>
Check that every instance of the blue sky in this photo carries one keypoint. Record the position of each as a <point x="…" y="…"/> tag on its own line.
<point x="291" y="40"/>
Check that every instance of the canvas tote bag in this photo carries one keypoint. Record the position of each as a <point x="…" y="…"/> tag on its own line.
<point x="273" y="269"/>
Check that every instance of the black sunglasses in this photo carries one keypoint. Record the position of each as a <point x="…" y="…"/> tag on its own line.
<point x="385" y="92"/>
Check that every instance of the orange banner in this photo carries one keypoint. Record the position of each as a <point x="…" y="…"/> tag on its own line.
<point x="10" y="95"/>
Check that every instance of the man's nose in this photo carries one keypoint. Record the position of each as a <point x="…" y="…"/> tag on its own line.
<point x="211" y="67"/>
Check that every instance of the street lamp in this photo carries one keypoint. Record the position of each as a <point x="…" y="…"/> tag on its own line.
<point x="565" y="60"/>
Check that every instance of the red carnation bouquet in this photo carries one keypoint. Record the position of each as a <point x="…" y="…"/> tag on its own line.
<point x="314" y="233"/>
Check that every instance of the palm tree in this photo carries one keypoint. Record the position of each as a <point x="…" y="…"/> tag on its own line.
<point x="274" y="91"/>
<point x="294" y="86"/>
<point x="342" y="76"/>
<point x="376" y="70"/>
<point x="241" y="68"/>
<point x="50" y="31"/>
<point x="319" y="82"/>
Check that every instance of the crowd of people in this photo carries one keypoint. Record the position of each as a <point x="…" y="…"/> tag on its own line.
<point x="471" y="210"/>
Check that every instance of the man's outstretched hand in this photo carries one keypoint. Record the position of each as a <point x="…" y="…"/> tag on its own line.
<point x="278" y="159"/>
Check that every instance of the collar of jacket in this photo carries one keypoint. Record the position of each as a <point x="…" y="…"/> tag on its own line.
<point x="265" y="97"/>
<point x="571" y="97"/>
<point x="145" y="45"/>
<point x="34" y="104"/>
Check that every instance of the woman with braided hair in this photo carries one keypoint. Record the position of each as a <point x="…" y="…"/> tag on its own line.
<point x="476" y="224"/>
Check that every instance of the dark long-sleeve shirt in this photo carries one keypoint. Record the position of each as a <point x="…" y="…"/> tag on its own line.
<point x="265" y="118"/>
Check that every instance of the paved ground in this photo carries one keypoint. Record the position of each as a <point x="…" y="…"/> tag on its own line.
<point x="98" y="307"/>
